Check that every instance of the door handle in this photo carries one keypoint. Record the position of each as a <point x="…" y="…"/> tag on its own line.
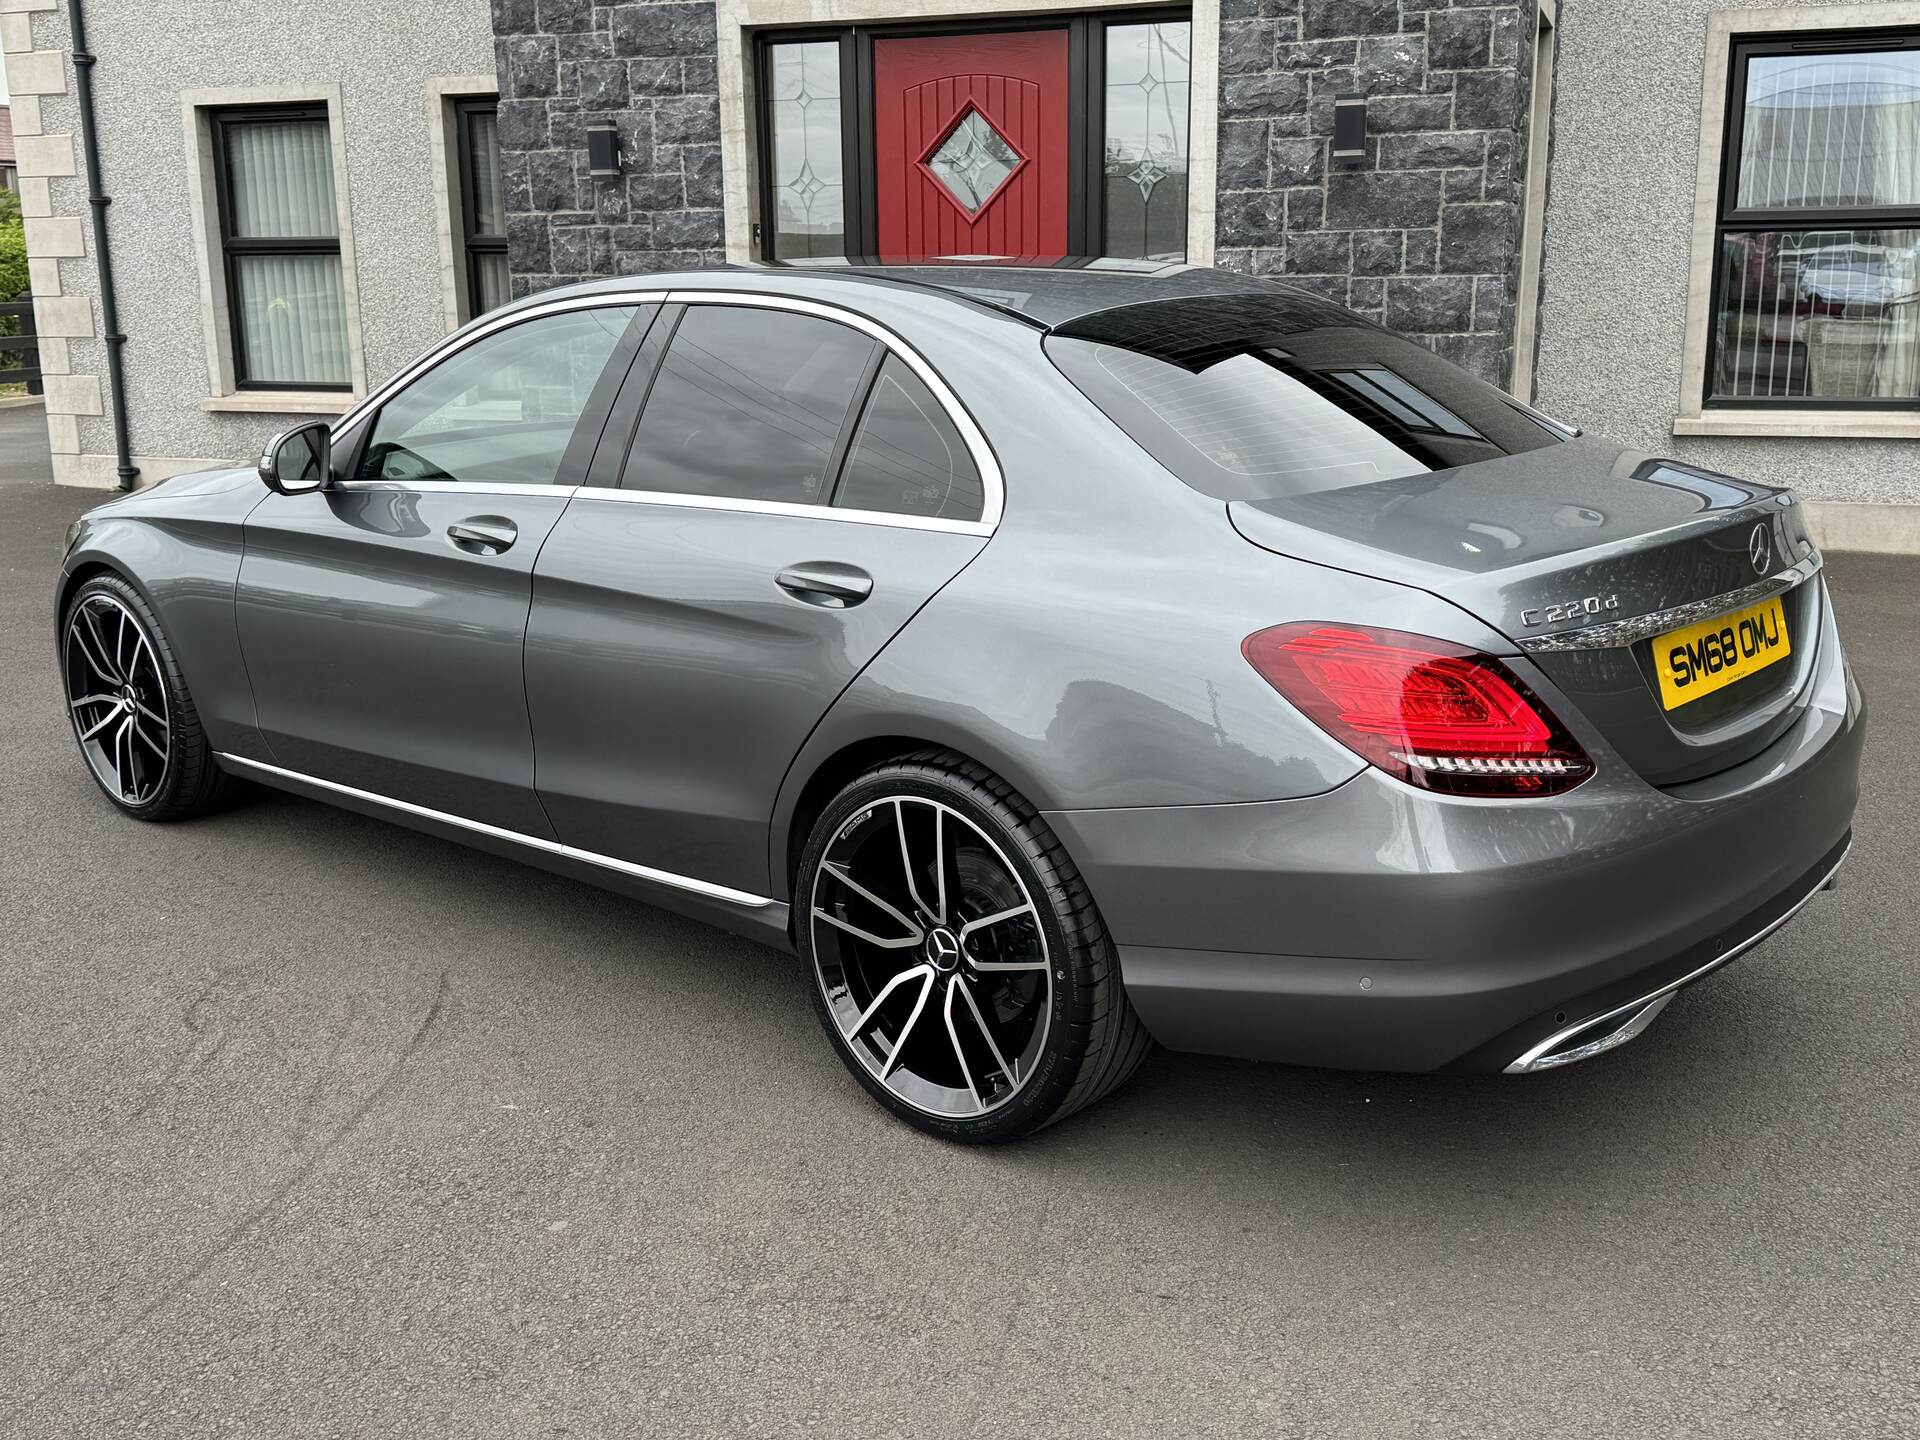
<point x="483" y="534"/>
<point x="826" y="583"/>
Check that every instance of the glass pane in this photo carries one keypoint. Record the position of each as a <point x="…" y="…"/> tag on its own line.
<point x="748" y="404"/>
<point x="908" y="458"/>
<point x="973" y="161"/>
<point x="502" y="410"/>
<point x="293" y="319"/>
<point x="1827" y="314"/>
<point x="280" y="178"/>
<point x="809" y="213"/>
<point x="483" y="173"/>
<point x="1831" y="130"/>
<point x="489" y="280"/>
<point x="1148" y="94"/>
<point x="1257" y="397"/>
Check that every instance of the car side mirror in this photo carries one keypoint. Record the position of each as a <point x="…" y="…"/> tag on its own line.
<point x="299" y="460"/>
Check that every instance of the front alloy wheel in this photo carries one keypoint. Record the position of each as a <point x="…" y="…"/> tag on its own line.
<point x="117" y="698"/>
<point x="132" y="716"/>
<point x="959" y="964"/>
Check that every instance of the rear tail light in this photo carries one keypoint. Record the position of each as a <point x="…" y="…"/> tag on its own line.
<point x="1426" y="712"/>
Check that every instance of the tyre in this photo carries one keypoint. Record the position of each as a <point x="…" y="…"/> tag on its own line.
<point x="131" y="713"/>
<point x="960" y="966"/>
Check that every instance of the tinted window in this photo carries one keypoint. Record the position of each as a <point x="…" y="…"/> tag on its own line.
<point x="1252" y="397"/>
<point x="748" y="404"/>
<point x="500" y="411"/>
<point x="907" y="457"/>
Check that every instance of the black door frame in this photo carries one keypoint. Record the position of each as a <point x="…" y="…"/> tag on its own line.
<point x="1086" y="115"/>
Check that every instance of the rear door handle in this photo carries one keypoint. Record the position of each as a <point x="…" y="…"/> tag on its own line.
<point x="483" y="534"/>
<point x="826" y="583"/>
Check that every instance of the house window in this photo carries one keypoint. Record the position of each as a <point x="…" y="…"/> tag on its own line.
<point x="483" y="216"/>
<point x="280" y="242"/>
<point x="1817" y="241"/>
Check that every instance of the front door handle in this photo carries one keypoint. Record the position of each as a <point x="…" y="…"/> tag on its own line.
<point x="826" y="583"/>
<point x="483" y="534"/>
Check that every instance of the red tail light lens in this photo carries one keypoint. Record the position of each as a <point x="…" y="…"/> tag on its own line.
<point x="1426" y="712"/>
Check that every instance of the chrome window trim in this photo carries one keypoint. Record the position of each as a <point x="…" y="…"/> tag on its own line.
<point x="992" y="482"/>
<point x="449" y="487"/>
<point x="782" y="507"/>
<point x="705" y="888"/>
<point x="1539" y="1057"/>
<point x="1615" y="633"/>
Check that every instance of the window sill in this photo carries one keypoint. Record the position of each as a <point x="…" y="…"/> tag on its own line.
<point x="1804" y="424"/>
<point x="284" y="402"/>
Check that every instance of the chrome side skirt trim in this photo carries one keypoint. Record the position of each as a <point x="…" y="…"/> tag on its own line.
<point x="1654" y="1001"/>
<point x="586" y="857"/>
<point x="1615" y="633"/>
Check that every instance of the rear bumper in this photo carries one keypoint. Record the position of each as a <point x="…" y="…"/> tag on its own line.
<point x="1376" y="927"/>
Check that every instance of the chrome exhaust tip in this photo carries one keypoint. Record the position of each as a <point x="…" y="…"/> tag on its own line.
<point x="1591" y="1037"/>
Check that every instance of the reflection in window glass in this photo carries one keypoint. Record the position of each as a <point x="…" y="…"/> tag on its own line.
<point x="1822" y="314"/>
<point x="502" y="410"/>
<point x="748" y="404"/>
<point x="1146" y="148"/>
<point x="808" y="201"/>
<point x="907" y="457"/>
<point x="1832" y="131"/>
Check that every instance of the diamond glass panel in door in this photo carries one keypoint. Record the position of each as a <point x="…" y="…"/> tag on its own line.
<point x="1818" y="314"/>
<point x="809" y="212"/>
<point x="292" y="307"/>
<point x="973" y="161"/>
<point x="1147" y="100"/>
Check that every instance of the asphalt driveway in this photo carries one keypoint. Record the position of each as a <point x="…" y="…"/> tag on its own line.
<point x="313" y="1126"/>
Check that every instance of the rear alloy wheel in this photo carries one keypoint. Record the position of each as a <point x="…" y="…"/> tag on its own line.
<point x="132" y="717"/>
<point x="960" y="965"/>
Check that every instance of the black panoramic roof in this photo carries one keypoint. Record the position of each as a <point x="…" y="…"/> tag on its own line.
<point x="1048" y="293"/>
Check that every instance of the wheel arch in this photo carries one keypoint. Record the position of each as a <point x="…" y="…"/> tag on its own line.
<point x="817" y="776"/>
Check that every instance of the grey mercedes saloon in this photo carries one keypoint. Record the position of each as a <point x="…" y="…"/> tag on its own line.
<point x="1058" y="659"/>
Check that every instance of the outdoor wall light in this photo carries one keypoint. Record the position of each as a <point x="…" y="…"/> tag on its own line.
<point x="1349" y="129"/>
<point x="603" y="152"/>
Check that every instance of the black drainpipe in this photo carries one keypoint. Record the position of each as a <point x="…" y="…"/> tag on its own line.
<point x="97" y="198"/>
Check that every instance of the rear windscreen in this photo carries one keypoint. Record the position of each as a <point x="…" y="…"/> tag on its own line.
<point x="1257" y="397"/>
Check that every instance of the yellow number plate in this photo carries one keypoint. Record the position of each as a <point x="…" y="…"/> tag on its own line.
<point x="1702" y="658"/>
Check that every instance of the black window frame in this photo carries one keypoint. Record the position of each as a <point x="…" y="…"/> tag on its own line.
<point x="473" y="245"/>
<point x="1086" y="116"/>
<point x="233" y="246"/>
<point x="1731" y="217"/>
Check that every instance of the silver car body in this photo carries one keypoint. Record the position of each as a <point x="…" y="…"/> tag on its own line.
<point x="625" y="695"/>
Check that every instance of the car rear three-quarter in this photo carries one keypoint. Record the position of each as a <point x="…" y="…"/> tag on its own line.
<point x="1055" y="658"/>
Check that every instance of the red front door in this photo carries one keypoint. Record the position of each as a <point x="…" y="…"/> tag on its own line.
<point x="970" y="144"/>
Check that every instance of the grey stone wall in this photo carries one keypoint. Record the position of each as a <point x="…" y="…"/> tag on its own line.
<point x="647" y="69"/>
<point x="1425" y="234"/>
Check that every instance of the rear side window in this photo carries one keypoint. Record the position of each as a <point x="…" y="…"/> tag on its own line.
<point x="907" y="458"/>
<point x="748" y="404"/>
<point x="1259" y="397"/>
